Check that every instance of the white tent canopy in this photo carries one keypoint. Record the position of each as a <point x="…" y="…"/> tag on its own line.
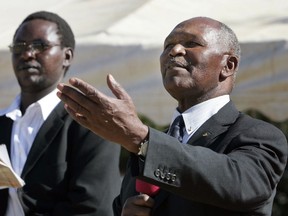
<point x="125" y="37"/>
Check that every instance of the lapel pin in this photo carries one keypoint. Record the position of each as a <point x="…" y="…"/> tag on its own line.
<point x="205" y="134"/>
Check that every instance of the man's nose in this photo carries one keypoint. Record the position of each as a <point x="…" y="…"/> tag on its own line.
<point x="29" y="52"/>
<point x="178" y="49"/>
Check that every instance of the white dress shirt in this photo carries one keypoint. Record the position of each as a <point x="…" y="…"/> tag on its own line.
<point x="24" y="130"/>
<point x="200" y="113"/>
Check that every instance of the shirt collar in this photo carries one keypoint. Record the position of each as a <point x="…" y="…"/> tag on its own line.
<point x="195" y="116"/>
<point x="47" y="104"/>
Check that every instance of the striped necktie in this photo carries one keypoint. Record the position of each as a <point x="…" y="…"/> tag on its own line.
<point x="177" y="128"/>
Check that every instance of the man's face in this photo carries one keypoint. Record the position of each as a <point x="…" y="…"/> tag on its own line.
<point x="38" y="70"/>
<point x="192" y="60"/>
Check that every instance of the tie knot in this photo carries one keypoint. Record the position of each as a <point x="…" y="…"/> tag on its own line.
<point x="178" y="121"/>
<point x="177" y="128"/>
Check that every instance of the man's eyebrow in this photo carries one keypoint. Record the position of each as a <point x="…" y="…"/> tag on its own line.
<point x="185" y="35"/>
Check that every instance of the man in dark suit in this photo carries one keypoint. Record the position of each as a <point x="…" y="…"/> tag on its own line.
<point x="223" y="162"/>
<point x="68" y="170"/>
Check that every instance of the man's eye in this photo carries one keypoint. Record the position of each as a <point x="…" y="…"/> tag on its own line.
<point x="168" y="46"/>
<point x="17" y="48"/>
<point x="192" y="44"/>
<point x="39" y="46"/>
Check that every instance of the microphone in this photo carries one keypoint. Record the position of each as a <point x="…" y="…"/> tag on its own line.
<point x="146" y="188"/>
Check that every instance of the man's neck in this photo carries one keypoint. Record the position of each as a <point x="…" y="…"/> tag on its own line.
<point x="29" y="98"/>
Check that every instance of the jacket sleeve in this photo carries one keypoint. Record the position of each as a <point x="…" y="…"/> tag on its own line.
<point x="238" y="170"/>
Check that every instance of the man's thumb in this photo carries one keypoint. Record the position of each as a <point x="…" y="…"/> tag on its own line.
<point x="117" y="89"/>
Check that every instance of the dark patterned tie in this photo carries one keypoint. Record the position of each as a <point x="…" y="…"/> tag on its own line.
<point x="177" y="128"/>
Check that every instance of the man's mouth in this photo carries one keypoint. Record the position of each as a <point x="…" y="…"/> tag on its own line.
<point x="176" y="63"/>
<point x="28" y="68"/>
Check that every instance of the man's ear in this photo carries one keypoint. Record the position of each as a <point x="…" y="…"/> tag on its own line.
<point x="231" y="66"/>
<point x="68" y="57"/>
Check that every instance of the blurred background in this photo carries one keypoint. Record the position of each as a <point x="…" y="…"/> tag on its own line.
<point x="125" y="38"/>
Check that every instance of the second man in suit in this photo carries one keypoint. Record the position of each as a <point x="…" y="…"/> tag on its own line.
<point x="68" y="170"/>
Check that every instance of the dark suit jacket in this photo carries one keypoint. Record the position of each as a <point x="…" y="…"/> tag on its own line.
<point x="69" y="170"/>
<point x="230" y="166"/>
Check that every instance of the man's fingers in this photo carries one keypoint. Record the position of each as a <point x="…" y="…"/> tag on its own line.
<point x="140" y="205"/>
<point x="88" y="90"/>
<point x="144" y="200"/>
<point x="117" y="89"/>
<point x="73" y="99"/>
<point x="76" y="116"/>
<point x="84" y="87"/>
<point x="97" y="96"/>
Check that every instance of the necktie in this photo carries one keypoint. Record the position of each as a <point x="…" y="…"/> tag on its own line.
<point x="177" y="128"/>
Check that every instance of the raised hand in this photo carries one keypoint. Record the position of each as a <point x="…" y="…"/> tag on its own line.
<point x="112" y="118"/>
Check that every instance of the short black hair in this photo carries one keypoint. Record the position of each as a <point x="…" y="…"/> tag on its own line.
<point x="65" y="32"/>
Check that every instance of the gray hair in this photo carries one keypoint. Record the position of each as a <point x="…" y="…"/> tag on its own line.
<point x="230" y="40"/>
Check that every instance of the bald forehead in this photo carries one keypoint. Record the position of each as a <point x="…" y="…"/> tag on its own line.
<point x="199" y="22"/>
<point x="203" y="28"/>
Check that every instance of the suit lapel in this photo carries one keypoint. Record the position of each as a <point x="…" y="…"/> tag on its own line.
<point x="5" y="131"/>
<point x="216" y="125"/>
<point x="5" y="138"/>
<point x="45" y="137"/>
